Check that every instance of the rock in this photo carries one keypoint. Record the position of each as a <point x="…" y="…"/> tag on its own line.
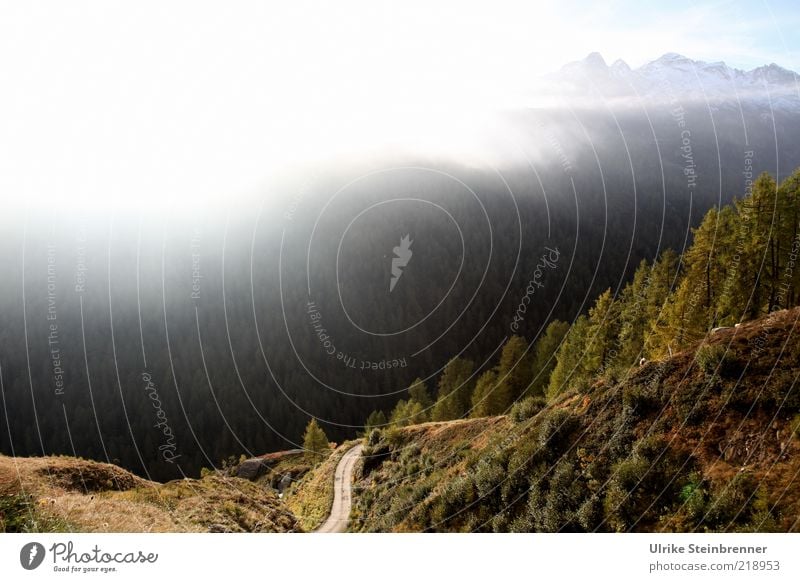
<point x="285" y="482"/>
<point x="252" y="469"/>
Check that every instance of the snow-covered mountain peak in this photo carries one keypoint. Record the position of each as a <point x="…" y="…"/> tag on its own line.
<point x="676" y="77"/>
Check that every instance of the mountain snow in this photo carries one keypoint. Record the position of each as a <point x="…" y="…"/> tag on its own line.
<point x="673" y="78"/>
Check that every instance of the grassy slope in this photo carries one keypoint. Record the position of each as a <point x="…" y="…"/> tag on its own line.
<point x="68" y="494"/>
<point x="684" y="444"/>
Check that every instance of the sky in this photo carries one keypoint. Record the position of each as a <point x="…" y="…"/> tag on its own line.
<point x="146" y="102"/>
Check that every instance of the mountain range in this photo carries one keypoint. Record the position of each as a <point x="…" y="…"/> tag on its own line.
<point x="675" y="78"/>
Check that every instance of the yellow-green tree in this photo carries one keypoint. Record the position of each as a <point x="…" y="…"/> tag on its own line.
<point x="513" y="375"/>
<point x="315" y="442"/>
<point x="482" y="404"/>
<point x="455" y="390"/>
<point x="569" y="369"/>
<point x="418" y="392"/>
<point x="544" y="357"/>
<point x="601" y="335"/>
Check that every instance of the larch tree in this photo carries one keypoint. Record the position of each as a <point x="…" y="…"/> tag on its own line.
<point x="601" y="335"/>
<point x="315" y="442"/>
<point x="544" y="357"/>
<point x="481" y="396"/>
<point x="513" y="375"/>
<point x="455" y="390"/>
<point x="569" y="369"/>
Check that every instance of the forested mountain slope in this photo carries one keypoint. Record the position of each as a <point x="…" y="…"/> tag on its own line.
<point x="706" y="439"/>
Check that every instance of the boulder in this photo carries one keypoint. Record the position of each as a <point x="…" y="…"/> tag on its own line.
<point x="285" y="482"/>
<point x="252" y="469"/>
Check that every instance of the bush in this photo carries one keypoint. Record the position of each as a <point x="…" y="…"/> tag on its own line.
<point x="527" y="408"/>
<point x="373" y="456"/>
<point x="651" y="447"/>
<point x="630" y="473"/>
<point x="783" y="390"/>
<point x="564" y="498"/>
<point x="590" y="513"/>
<point x="488" y="477"/>
<point x="690" y="400"/>
<point x="555" y="429"/>
<point x="715" y="359"/>
<point x="640" y="398"/>
<point x="762" y="520"/>
<point x="795" y="425"/>
<point x="694" y="496"/>
<point x="374" y="437"/>
<point x="621" y="507"/>
<point x="615" y="509"/>
<point x="730" y="502"/>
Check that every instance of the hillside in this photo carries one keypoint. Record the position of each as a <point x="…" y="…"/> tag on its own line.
<point x="68" y="494"/>
<point x="705" y="440"/>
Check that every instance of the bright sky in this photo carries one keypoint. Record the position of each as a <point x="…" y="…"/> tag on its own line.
<point x="151" y="101"/>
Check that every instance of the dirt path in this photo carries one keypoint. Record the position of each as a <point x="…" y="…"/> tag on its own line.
<point x="342" y="493"/>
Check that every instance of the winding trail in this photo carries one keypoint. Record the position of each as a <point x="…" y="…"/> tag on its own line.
<point x="342" y="493"/>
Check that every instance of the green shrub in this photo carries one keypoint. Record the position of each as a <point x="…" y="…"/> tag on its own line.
<point x="556" y="427"/>
<point x="590" y="513"/>
<point x="693" y="495"/>
<point x="783" y="390"/>
<point x="488" y="477"/>
<point x="795" y="425"/>
<point x="716" y="359"/>
<point x="564" y="497"/>
<point x="640" y="398"/>
<point x="616" y="510"/>
<point x="527" y="408"/>
<point x="630" y="473"/>
<point x="651" y="447"/>
<point x="762" y="520"/>
<point x="374" y="437"/>
<point x="730" y="502"/>
<point x="690" y="401"/>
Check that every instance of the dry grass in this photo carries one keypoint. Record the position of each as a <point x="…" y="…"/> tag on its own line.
<point x="87" y="496"/>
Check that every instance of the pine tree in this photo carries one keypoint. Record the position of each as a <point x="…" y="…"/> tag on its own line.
<point x="633" y="316"/>
<point x="733" y="257"/>
<point x="455" y="390"/>
<point x="481" y="396"/>
<point x="789" y="209"/>
<point x="757" y="212"/>
<point x="315" y="442"/>
<point x="601" y="335"/>
<point x="376" y="419"/>
<point x="418" y="392"/>
<point x="544" y="357"/>
<point x="691" y="310"/>
<point x="407" y="412"/>
<point x="663" y="278"/>
<point x="784" y="237"/>
<point x="513" y="375"/>
<point x="569" y="369"/>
